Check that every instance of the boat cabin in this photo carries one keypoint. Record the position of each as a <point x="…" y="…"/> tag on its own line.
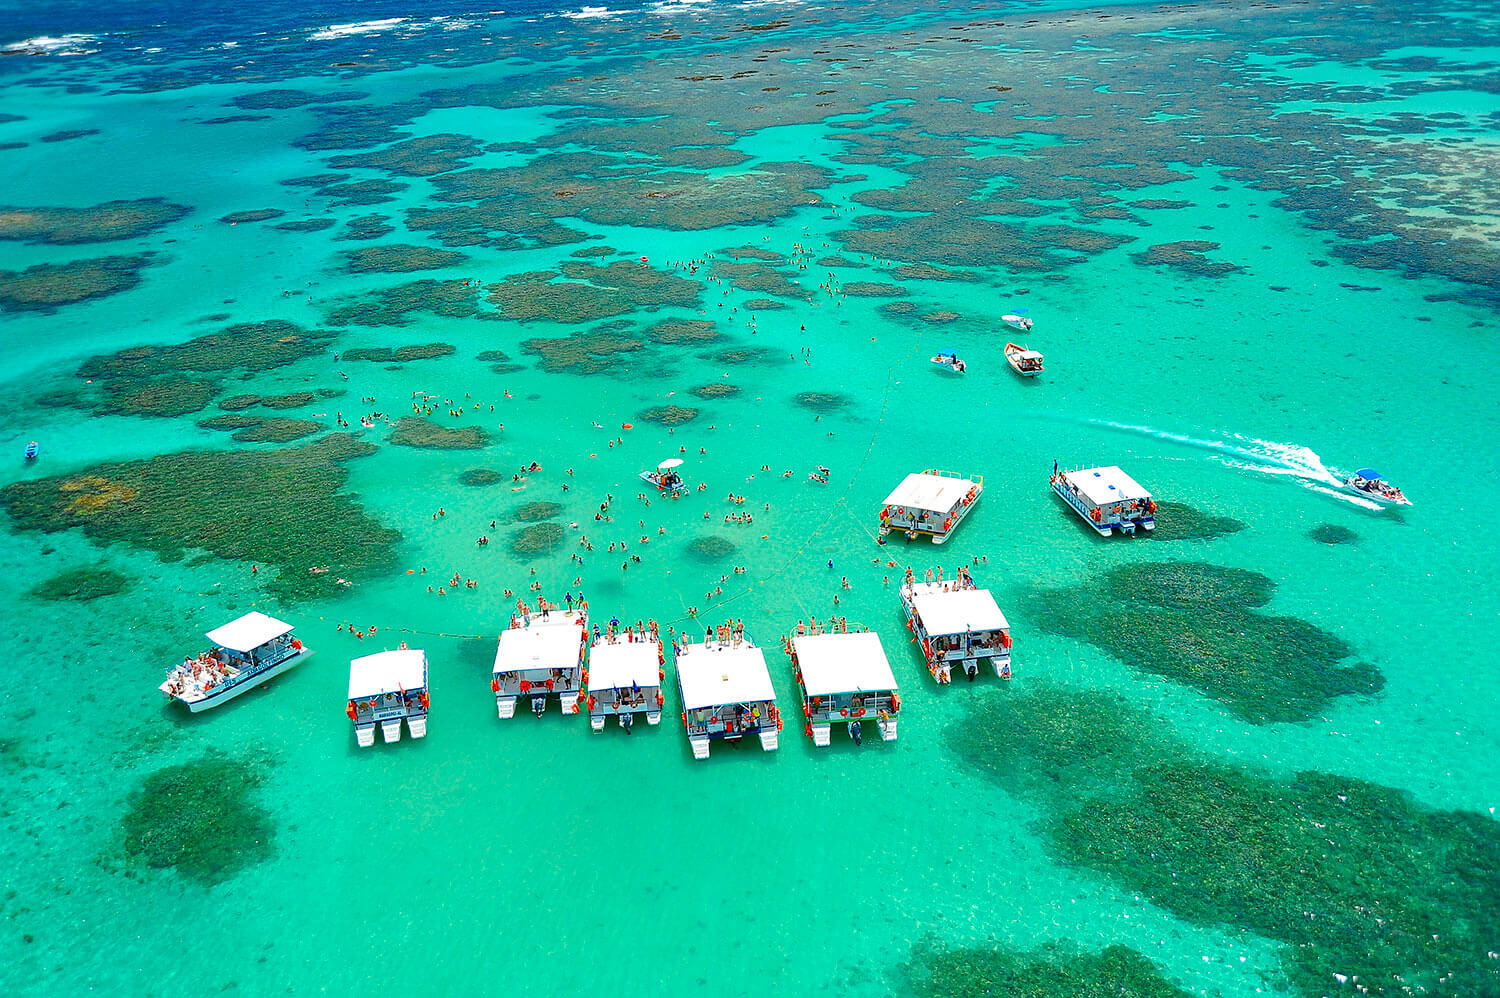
<point x="931" y="502"/>
<point x="845" y="679"/>
<point x="956" y="625"/>
<point x="626" y="670"/>
<point x="540" y="656"/>
<point x="245" y="652"/>
<point x="385" y="689"/>
<point x="1106" y="498"/>
<point x="726" y="692"/>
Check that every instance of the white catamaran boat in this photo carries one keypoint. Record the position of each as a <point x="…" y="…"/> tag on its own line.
<point x="845" y="679"/>
<point x="626" y="669"/>
<point x="541" y="656"/>
<point x="1106" y="498"/>
<point x="956" y="624"/>
<point x="385" y="689"/>
<point x="245" y="653"/>
<point x="1368" y="483"/>
<point x="726" y="691"/>
<point x="931" y="502"/>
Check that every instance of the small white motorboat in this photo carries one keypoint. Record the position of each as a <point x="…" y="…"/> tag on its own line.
<point x="948" y="360"/>
<point x="1018" y="320"/>
<point x="1368" y="483"/>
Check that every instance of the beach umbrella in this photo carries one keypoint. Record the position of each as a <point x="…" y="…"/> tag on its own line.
<point x="670" y="462"/>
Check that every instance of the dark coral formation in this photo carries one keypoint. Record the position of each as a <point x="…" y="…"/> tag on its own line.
<point x="592" y="352"/>
<point x="399" y="355"/>
<point x="1053" y="972"/>
<point x="279" y="431"/>
<point x="1332" y="533"/>
<point x="716" y="391"/>
<point x="1177" y="521"/>
<point x="591" y="292"/>
<point x="202" y="817"/>
<point x="538" y="538"/>
<point x="253" y="215"/>
<point x="1194" y="623"/>
<point x="96" y="224"/>
<point x="411" y="431"/>
<point x="534" y="512"/>
<point x="232" y="504"/>
<point x="82" y="584"/>
<point x="46" y="287"/>
<point x="822" y="402"/>
<point x="400" y="258"/>
<point x="479" y="477"/>
<point x="1189" y="256"/>
<point x="1349" y="875"/>
<point x="291" y="400"/>
<point x="668" y="415"/>
<point x="712" y="547"/>
<point x="397" y="306"/>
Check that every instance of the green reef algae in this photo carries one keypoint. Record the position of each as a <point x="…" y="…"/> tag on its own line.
<point x="400" y="355"/>
<point x="716" y="391"/>
<point x="712" y="547"/>
<point x="1355" y="878"/>
<point x="592" y="292"/>
<point x="251" y="346"/>
<point x="1177" y="521"/>
<point x="160" y="397"/>
<point x="96" y="224"/>
<point x="593" y="352"/>
<point x="1192" y="623"/>
<point x="82" y="584"/>
<point x="538" y="538"/>
<point x="230" y="421"/>
<point x="1331" y="533"/>
<point x="400" y="259"/>
<point x="232" y="504"/>
<point x="1052" y="972"/>
<point x="533" y="512"/>
<point x="395" y="306"/>
<point x="822" y="402"/>
<point x="291" y="400"/>
<point x="47" y="287"/>
<point x="669" y="415"/>
<point x="477" y="477"/>
<point x="1188" y="257"/>
<point x="253" y="215"/>
<point x="413" y="431"/>
<point x="278" y="430"/>
<point x="201" y="818"/>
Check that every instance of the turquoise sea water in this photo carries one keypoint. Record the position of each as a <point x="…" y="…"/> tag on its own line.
<point x="1036" y="154"/>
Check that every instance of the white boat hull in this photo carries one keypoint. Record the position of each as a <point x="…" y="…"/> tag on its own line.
<point x="230" y="692"/>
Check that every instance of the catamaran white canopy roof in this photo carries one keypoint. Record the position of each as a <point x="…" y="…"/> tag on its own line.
<point x="616" y="665"/>
<point x="549" y="644"/>
<point x="712" y="675"/>
<point x="843" y="663"/>
<point x="936" y="492"/>
<point x="250" y="631"/>
<point x="958" y="612"/>
<point x="388" y="672"/>
<point x="1101" y="486"/>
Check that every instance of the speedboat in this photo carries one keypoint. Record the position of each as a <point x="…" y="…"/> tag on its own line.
<point x="1018" y="320"/>
<point x="32" y="450"/>
<point x="666" y="478"/>
<point x="948" y="360"/>
<point x="1368" y="483"/>
<point x="1025" y="362"/>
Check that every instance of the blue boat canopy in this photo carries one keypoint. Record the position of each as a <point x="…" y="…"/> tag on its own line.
<point x="947" y="353"/>
<point x="1368" y="474"/>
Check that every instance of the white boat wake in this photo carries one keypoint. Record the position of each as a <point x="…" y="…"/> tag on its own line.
<point x="1267" y="457"/>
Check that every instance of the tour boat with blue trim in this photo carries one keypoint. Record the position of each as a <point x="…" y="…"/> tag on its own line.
<point x="1106" y="499"/>
<point x="626" y="670"/>
<point x="541" y="655"/>
<point x="246" y="652"/>
<point x="956" y="624"/>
